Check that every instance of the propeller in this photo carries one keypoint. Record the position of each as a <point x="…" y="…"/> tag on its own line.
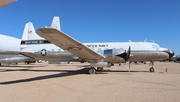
<point x="126" y="55"/>
<point x="128" y="58"/>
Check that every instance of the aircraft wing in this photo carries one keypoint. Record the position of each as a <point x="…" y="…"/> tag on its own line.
<point x="66" y="42"/>
<point x="5" y="2"/>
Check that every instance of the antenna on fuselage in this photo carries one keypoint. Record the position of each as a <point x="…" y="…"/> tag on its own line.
<point x="152" y="41"/>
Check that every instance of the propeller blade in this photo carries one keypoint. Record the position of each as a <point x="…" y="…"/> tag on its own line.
<point x="129" y="52"/>
<point x="128" y="57"/>
<point x="128" y="65"/>
<point x="126" y="54"/>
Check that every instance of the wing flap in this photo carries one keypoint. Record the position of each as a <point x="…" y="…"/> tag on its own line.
<point x="68" y="43"/>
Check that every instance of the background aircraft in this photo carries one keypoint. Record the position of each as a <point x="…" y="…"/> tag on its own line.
<point x="176" y="58"/>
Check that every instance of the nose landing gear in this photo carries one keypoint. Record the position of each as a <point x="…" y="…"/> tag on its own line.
<point x="152" y="68"/>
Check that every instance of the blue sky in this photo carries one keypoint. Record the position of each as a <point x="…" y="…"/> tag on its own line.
<point x="99" y="20"/>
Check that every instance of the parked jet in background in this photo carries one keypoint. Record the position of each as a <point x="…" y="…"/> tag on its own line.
<point x="176" y="58"/>
<point x="9" y="44"/>
<point x="106" y="54"/>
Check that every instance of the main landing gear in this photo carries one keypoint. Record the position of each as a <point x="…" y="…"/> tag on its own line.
<point x="93" y="70"/>
<point x="152" y="68"/>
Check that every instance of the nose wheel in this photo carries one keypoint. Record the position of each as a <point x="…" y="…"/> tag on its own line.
<point x="152" y="68"/>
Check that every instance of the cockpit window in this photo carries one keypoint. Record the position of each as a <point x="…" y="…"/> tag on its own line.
<point x="155" y="46"/>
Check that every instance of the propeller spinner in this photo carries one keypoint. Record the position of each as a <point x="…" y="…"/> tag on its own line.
<point x="126" y="55"/>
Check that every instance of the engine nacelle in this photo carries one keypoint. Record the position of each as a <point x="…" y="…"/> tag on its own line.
<point x="101" y="64"/>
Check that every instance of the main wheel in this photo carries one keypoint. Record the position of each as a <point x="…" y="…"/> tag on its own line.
<point x="99" y="68"/>
<point x="92" y="70"/>
<point x="151" y="69"/>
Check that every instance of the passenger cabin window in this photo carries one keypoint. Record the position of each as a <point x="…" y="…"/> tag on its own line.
<point x="99" y="49"/>
<point x="59" y="50"/>
<point x="52" y="50"/>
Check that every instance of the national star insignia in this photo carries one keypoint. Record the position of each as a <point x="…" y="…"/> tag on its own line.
<point x="43" y="52"/>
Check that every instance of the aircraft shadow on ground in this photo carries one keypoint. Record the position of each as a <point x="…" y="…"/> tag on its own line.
<point x="63" y="73"/>
<point x="80" y="66"/>
<point x="22" y="66"/>
<point x="122" y="71"/>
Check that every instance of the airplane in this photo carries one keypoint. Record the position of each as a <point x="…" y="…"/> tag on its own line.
<point x="9" y="51"/>
<point x="106" y="54"/>
<point x="34" y="47"/>
<point x="5" y="2"/>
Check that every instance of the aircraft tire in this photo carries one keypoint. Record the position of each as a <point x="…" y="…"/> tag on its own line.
<point x="151" y="69"/>
<point x="99" y="68"/>
<point x="92" y="70"/>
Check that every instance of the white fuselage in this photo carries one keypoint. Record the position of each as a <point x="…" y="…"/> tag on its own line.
<point x="141" y="51"/>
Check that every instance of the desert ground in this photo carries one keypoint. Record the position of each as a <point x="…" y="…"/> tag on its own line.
<point x="43" y="82"/>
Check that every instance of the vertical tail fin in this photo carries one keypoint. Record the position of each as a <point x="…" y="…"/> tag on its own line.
<point x="28" y="34"/>
<point x="56" y="23"/>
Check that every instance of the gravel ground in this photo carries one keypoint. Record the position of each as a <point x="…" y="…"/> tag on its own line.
<point x="70" y="83"/>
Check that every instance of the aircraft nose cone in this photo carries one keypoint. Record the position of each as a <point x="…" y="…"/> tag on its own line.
<point x="165" y="55"/>
<point x="171" y="53"/>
